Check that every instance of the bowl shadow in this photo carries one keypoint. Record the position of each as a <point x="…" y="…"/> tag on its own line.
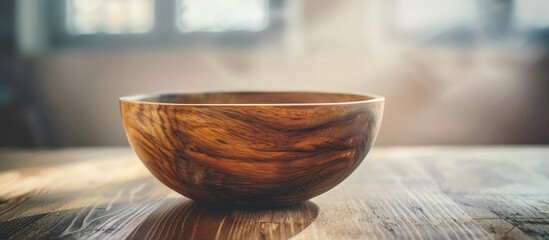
<point x="187" y="219"/>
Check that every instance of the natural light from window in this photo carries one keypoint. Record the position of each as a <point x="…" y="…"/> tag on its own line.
<point x="219" y="16"/>
<point x="532" y="13"/>
<point x="109" y="16"/>
<point x="423" y="16"/>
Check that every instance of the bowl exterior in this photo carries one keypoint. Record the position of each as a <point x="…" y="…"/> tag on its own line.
<point x="251" y="155"/>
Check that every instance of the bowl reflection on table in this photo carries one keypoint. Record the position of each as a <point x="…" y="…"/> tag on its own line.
<point x="252" y="148"/>
<point x="186" y="219"/>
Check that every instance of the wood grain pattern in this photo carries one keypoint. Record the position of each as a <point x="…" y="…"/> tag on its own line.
<point x="254" y="148"/>
<point x="399" y="193"/>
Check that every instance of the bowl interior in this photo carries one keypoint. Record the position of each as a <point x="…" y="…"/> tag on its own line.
<point x="251" y="98"/>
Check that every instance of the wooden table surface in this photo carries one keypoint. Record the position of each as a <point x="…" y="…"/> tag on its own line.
<point x="402" y="193"/>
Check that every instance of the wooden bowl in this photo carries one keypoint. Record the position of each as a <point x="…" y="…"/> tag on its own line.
<point x="251" y="148"/>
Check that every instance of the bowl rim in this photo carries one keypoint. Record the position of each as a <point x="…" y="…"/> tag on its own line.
<point x="137" y="98"/>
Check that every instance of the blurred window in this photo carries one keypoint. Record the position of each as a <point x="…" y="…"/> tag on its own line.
<point x="532" y="13"/>
<point x="218" y="16"/>
<point x="137" y="16"/>
<point x="109" y="16"/>
<point x="468" y="21"/>
<point x="427" y="16"/>
<point x="97" y="24"/>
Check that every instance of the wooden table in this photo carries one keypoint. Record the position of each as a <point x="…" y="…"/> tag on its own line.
<point x="402" y="193"/>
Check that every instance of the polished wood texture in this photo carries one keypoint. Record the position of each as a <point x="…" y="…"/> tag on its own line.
<point x="255" y="148"/>
<point x="399" y="193"/>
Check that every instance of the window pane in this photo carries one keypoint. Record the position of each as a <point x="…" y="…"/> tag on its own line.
<point x="532" y="13"/>
<point x="109" y="16"/>
<point x="222" y="15"/>
<point x="423" y="16"/>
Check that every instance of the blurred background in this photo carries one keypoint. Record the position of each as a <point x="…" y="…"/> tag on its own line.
<point x="452" y="71"/>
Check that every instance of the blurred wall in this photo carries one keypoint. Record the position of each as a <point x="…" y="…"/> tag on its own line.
<point x="435" y="95"/>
